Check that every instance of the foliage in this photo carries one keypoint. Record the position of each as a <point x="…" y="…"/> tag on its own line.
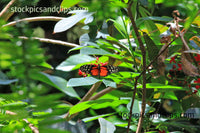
<point x="172" y="78"/>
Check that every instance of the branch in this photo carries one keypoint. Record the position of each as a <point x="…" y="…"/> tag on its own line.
<point x="90" y="92"/>
<point x="5" y="13"/>
<point x="156" y="57"/>
<point x="143" y="74"/>
<point x="33" y="19"/>
<point x="34" y="129"/>
<point x="136" y="79"/>
<point x="103" y="92"/>
<point x="85" y="98"/>
<point x="9" y="112"/>
<point x="51" y="41"/>
<point x="188" y="56"/>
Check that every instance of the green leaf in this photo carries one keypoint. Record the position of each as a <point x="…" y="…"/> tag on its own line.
<point x="57" y="82"/>
<point x="45" y="64"/>
<point x="7" y="81"/>
<point x="170" y="95"/>
<point x="193" y="15"/>
<point x="69" y="3"/>
<point x="88" y="119"/>
<point x="51" y="130"/>
<point x="96" y="104"/>
<point x="109" y="83"/>
<point x="191" y="102"/>
<point x="106" y="126"/>
<point x="93" y="51"/>
<point x="162" y="86"/>
<point x="82" y="81"/>
<point x="70" y="63"/>
<point x="76" y="48"/>
<point x="85" y="105"/>
<point x="129" y="74"/>
<point x="67" y="23"/>
<point x="151" y="48"/>
<point x="153" y="18"/>
<point x="149" y="24"/>
<point x="122" y="24"/>
<point x="13" y="105"/>
<point x="136" y="108"/>
<point x="115" y="94"/>
<point x="112" y="104"/>
<point x="159" y="1"/>
<point x="4" y="79"/>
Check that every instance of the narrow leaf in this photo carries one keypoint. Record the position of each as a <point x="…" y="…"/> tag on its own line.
<point x="162" y="86"/>
<point x="170" y="95"/>
<point x="69" y="3"/>
<point x="4" y="79"/>
<point x="85" y="105"/>
<point x="88" y="119"/>
<point x="7" y="81"/>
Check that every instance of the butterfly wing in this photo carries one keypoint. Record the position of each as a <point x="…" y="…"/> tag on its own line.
<point x="106" y="70"/>
<point x="112" y="69"/>
<point x="90" y="69"/>
<point x="86" y="68"/>
<point x="103" y="71"/>
<point x="95" y="71"/>
<point x="99" y="70"/>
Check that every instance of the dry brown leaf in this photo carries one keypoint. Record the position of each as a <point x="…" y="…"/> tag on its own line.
<point x="186" y="55"/>
<point x="188" y="68"/>
<point x="161" y="59"/>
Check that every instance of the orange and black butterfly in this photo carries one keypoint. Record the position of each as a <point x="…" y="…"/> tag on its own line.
<point x="97" y="70"/>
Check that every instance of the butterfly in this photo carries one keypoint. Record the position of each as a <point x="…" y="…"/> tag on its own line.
<point x="97" y="70"/>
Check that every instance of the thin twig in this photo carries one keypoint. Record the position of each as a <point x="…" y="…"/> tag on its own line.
<point x="156" y="57"/>
<point x="51" y="41"/>
<point x="5" y="13"/>
<point x="33" y="19"/>
<point x="185" y="45"/>
<point x="85" y="98"/>
<point x="132" y="103"/>
<point x="32" y="127"/>
<point x="135" y="87"/>
<point x="143" y="74"/>
<point x="90" y="92"/>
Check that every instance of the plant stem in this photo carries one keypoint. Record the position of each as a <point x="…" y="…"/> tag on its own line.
<point x="155" y="58"/>
<point x="143" y="74"/>
<point x="51" y="41"/>
<point x="103" y="92"/>
<point x="5" y="13"/>
<point x="33" y="19"/>
<point x="90" y="92"/>
<point x="32" y="127"/>
<point x="132" y="103"/>
<point x="85" y="98"/>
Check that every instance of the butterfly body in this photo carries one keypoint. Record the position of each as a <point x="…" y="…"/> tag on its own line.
<point x="98" y="70"/>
